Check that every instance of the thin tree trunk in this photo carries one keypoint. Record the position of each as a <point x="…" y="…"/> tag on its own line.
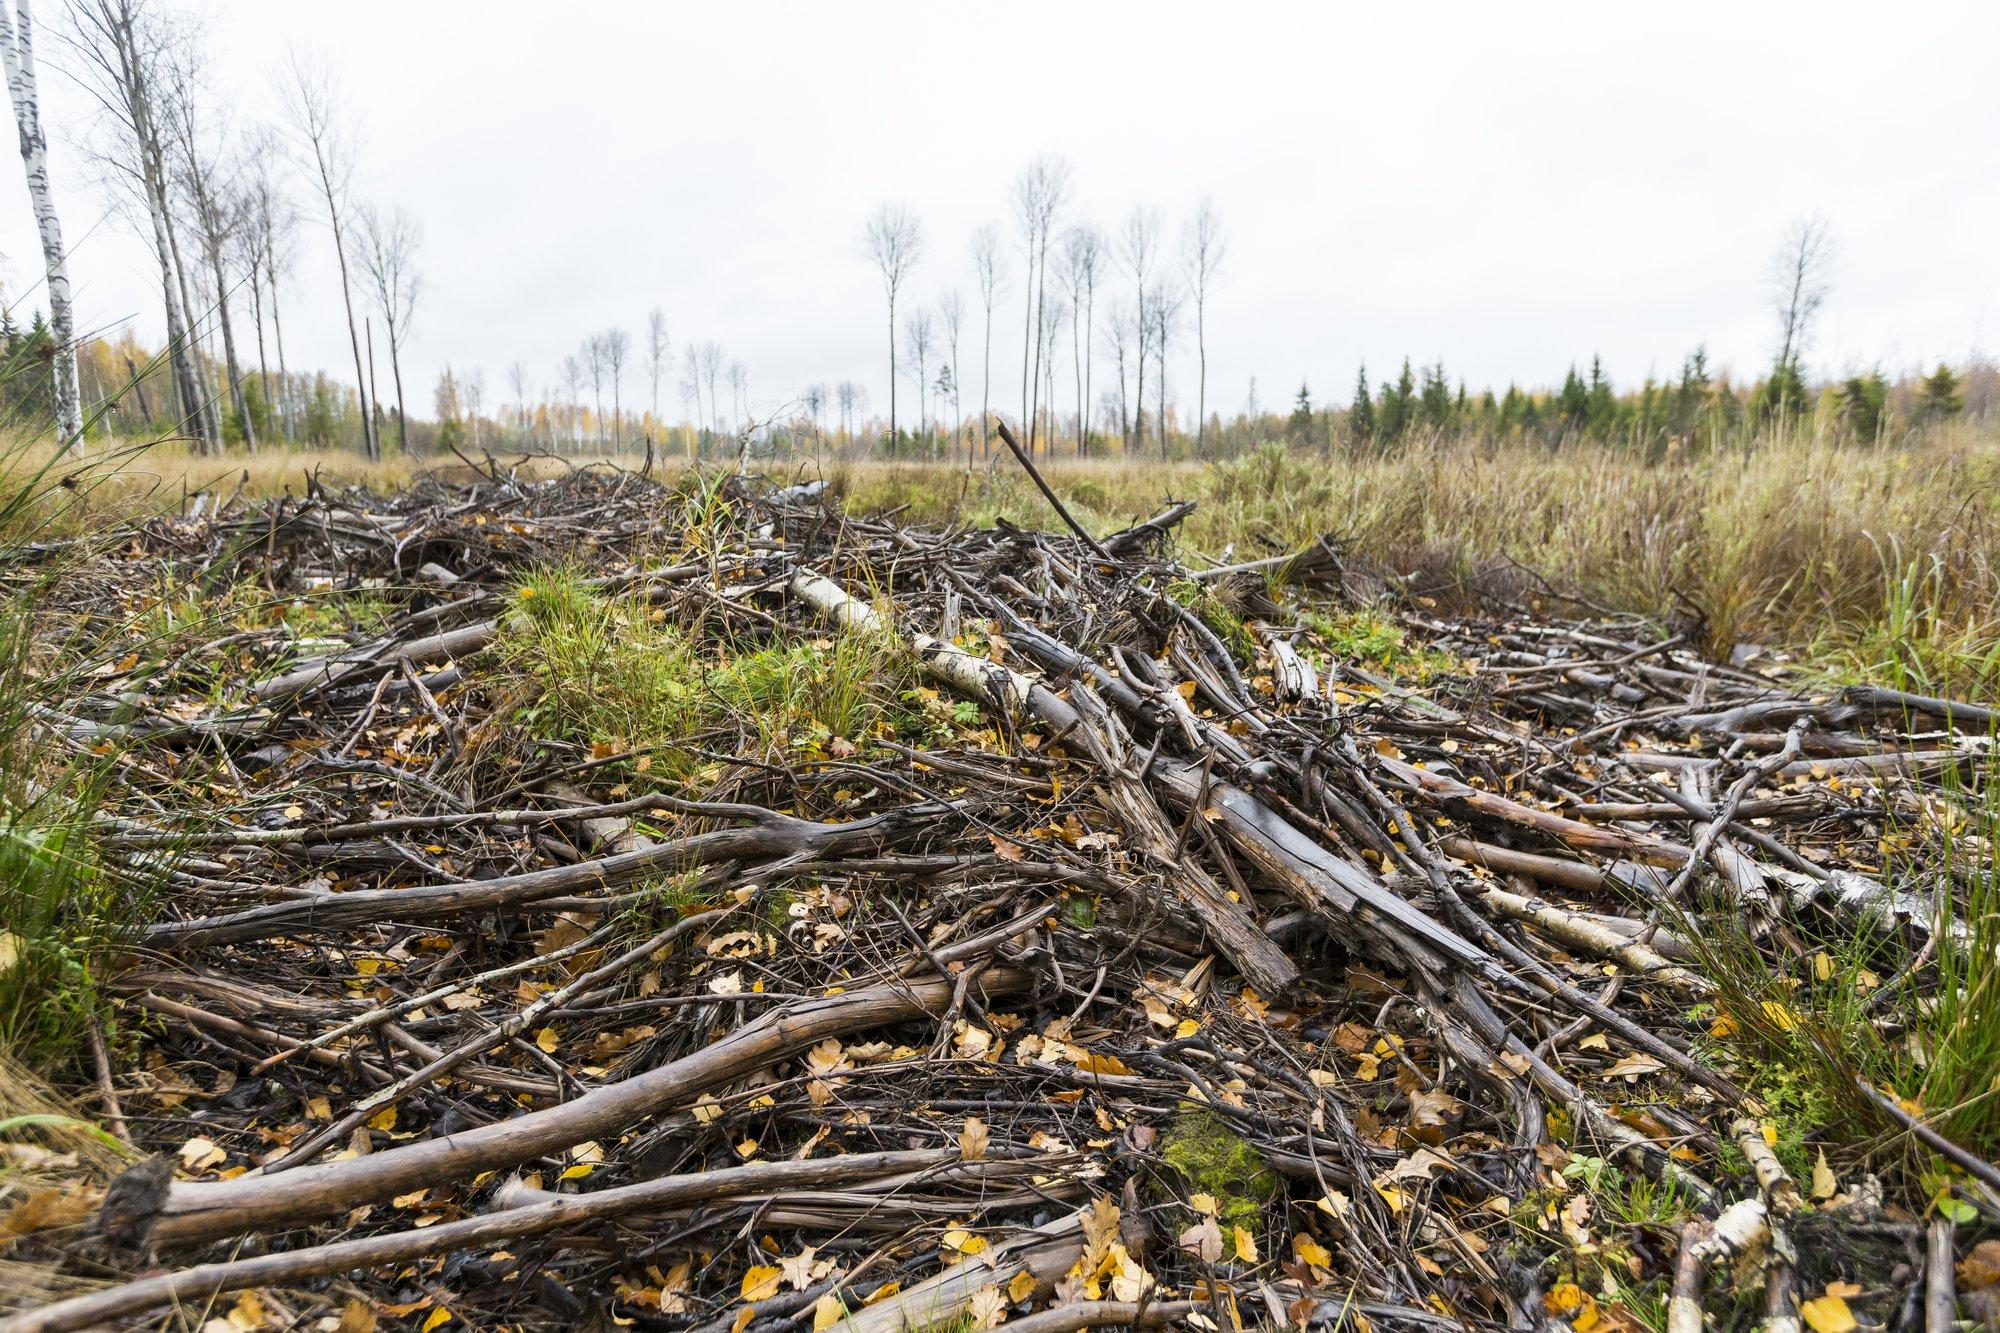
<point x="1201" y="351"/>
<point x="1139" y="386"/>
<point x="257" y="314"/>
<point x="985" y="391"/>
<point x="1027" y="337"/>
<point x="278" y="336"/>
<point x="369" y="442"/>
<point x="1089" y="348"/>
<point x="19" y="51"/>
<point x="892" y="373"/>
<point x="396" y="373"/>
<point x="236" y="399"/>
<point x="374" y="400"/>
<point x="139" y="391"/>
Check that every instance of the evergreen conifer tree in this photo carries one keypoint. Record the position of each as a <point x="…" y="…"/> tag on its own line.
<point x="1361" y="416"/>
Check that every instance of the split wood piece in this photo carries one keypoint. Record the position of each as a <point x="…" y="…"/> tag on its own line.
<point x="189" y="1213"/>
<point x="1291" y="675"/>
<point x="771" y="835"/>
<point x="1940" y="1290"/>
<point x="1228" y="923"/>
<point x="192" y="1286"/>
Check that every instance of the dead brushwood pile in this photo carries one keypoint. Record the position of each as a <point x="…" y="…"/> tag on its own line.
<point x="587" y="901"/>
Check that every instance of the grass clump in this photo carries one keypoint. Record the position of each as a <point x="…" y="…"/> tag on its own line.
<point x="62" y="911"/>
<point x="1215" y="613"/>
<point x="612" y="674"/>
<point x="1215" y="1160"/>
<point x="1372" y="639"/>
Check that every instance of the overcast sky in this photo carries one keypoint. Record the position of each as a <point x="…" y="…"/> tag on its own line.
<point x="1508" y="187"/>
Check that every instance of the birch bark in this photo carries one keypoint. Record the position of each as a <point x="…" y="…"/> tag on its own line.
<point x="18" y="51"/>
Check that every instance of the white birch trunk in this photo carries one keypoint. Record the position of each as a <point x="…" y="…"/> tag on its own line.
<point x="18" y="51"/>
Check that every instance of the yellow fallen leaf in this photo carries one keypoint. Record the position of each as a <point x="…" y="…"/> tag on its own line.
<point x="1827" y="1314"/>
<point x="1312" y="1251"/>
<point x="761" y="1283"/>
<point x="547" y="1040"/>
<point x="828" y="1311"/>
<point x="437" y="1317"/>
<point x="1782" y="1018"/>
<point x="1022" y="1287"/>
<point x="384" y="1119"/>
<point x="1246" y="1246"/>
<point x="1824" y="1186"/>
<point x="961" y="1241"/>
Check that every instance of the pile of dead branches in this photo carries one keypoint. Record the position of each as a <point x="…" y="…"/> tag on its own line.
<point x="1151" y="961"/>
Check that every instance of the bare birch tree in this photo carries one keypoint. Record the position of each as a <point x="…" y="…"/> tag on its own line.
<point x="389" y="260"/>
<point x="1040" y="193"/>
<point x="1161" y="314"/>
<point x="894" y="239"/>
<point x="739" y="395"/>
<point x="847" y="393"/>
<point x="595" y="362"/>
<point x="204" y="171"/>
<point x="121" y="46"/>
<point x="711" y="375"/>
<point x="918" y="341"/>
<point x="474" y="388"/>
<point x="517" y="384"/>
<point x="1136" y="248"/>
<point x="273" y="232"/>
<point x="1203" y="250"/>
<point x="657" y="347"/>
<point x="572" y="378"/>
<point x="17" y="50"/>
<point x="314" y="94"/>
<point x="691" y="383"/>
<point x="989" y="267"/>
<point x="1082" y="270"/>
<point x="616" y="347"/>
<point x="1801" y="280"/>
<point x="951" y="315"/>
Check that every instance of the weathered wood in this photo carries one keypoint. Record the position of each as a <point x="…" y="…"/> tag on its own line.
<point x="191" y="1286"/>
<point x="192" y="1212"/>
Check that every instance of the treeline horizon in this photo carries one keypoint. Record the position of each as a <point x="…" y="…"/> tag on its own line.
<point x="132" y="388"/>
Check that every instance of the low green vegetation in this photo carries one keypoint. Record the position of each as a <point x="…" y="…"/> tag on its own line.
<point x="1373" y="640"/>
<point x="1215" y="1160"/>
<point x="611" y="673"/>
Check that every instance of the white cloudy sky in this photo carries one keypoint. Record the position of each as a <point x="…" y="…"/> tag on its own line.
<point x="1510" y="187"/>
